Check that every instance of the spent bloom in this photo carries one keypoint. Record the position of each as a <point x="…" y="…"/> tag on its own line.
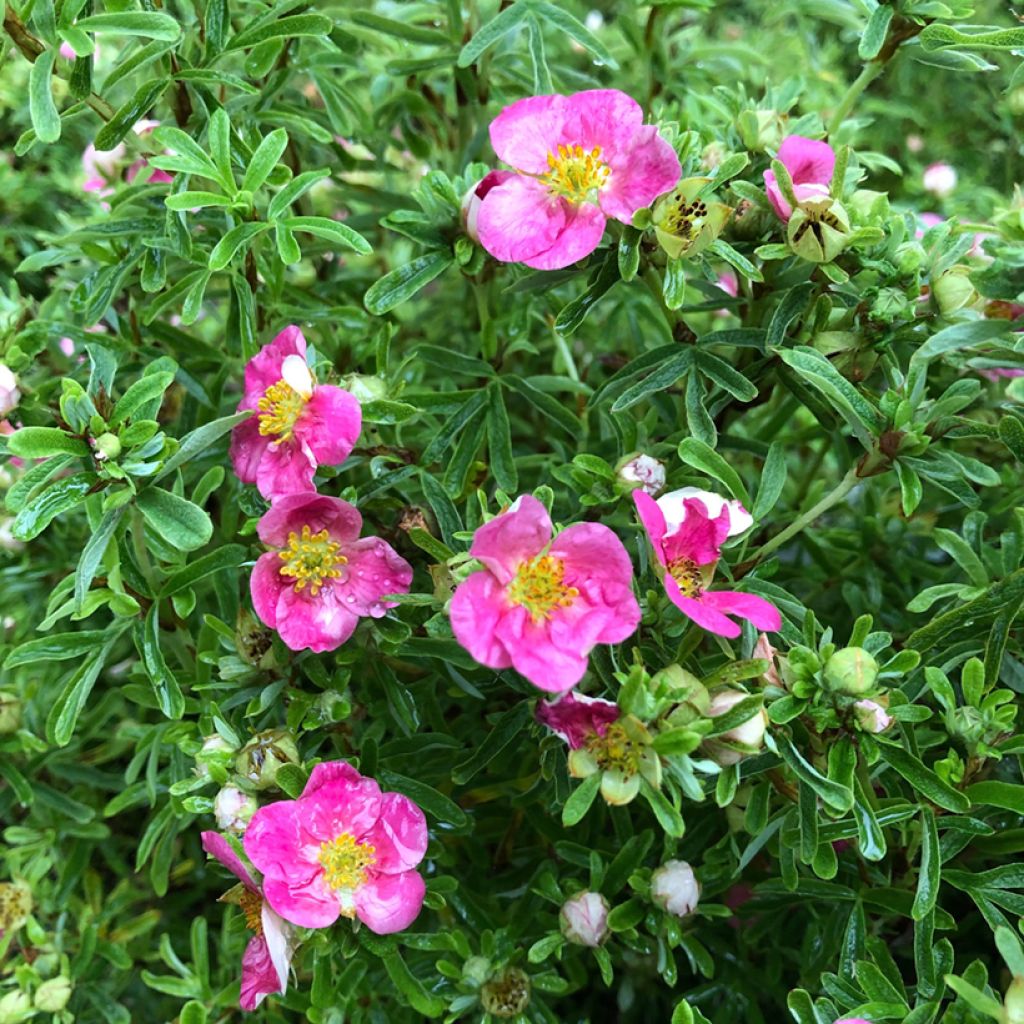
<point x="268" y="955"/>
<point x="580" y="160"/>
<point x="299" y="424"/>
<point x="540" y="605"/>
<point x="10" y="394"/>
<point x="686" y="529"/>
<point x="320" y="577"/>
<point x="674" y="888"/>
<point x="577" y="718"/>
<point x="810" y="164"/>
<point x="342" y="849"/>
<point x="233" y="809"/>
<point x="939" y="179"/>
<point x="584" y="919"/>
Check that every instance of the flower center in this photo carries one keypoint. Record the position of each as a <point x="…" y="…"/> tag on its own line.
<point x="684" y="219"/>
<point x="252" y="906"/>
<point x="345" y="861"/>
<point x="687" y="574"/>
<point x="615" y="750"/>
<point x="311" y="558"/>
<point x="575" y="173"/>
<point x="279" y="408"/>
<point x="539" y="588"/>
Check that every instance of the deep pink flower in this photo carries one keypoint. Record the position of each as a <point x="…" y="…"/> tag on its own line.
<point x="321" y="578"/>
<point x="575" y="717"/>
<point x="810" y="165"/>
<point x="475" y="196"/>
<point x="268" y="955"/>
<point x="581" y="159"/>
<point x="1001" y="372"/>
<point x="687" y="545"/>
<point x="538" y="605"/>
<point x="343" y="848"/>
<point x="299" y="425"/>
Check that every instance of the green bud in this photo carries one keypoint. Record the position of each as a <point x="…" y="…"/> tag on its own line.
<point x="953" y="290"/>
<point x="10" y="712"/>
<point x="818" y="230"/>
<point x="53" y="995"/>
<point x="851" y="670"/>
<point x="967" y="723"/>
<point x="760" y="129"/>
<point x="507" y="994"/>
<point x="868" y="207"/>
<point x="909" y="257"/>
<point x="1013" y="1002"/>
<point x="259" y="760"/>
<point x="107" y="446"/>
<point x="215" y="751"/>
<point x="366" y="387"/>
<point x="684" y="224"/>
<point x="890" y="304"/>
<point x="15" y="1007"/>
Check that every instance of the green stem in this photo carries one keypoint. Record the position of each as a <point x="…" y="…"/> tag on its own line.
<point x="801" y="522"/>
<point x="869" y="73"/>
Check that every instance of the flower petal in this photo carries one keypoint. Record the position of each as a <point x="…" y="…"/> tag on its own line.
<point x="278" y="845"/>
<point x="342" y="804"/>
<point x="287" y="467"/>
<point x="525" y="132"/>
<point x="515" y="536"/>
<point x="264" y="369"/>
<point x="756" y="610"/>
<point x="400" y="836"/>
<point x="266" y="585"/>
<point x="552" y="654"/>
<point x="374" y="569"/>
<point x="330" y="771"/>
<point x="807" y="160"/>
<point x="317" y="511"/>
<point x="321" y="623"/>
<point x="607" y="118"/>
<point x="476" y="609"/>
<point x="308" y="904"/>
<point x="703" y="614"/>
<point x="259" y="974"/>
<point x="700" y="537"/>
<point x="217" y="846"/>
<point x="389" y="903"/>
<point x="673" y="505"/>
<point x="580" y="236"/>
<point x="519" y="219"/>
<point x="247" y="448"/>
<point x="574" y="717"/>
<point x="647" y="169"/>
<point x="280" y="940"/>
<point x="330" y="424"/>
<point x="652" y="518"/>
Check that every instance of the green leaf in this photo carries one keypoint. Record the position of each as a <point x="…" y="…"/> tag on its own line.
<point x="1011" y="433"/>
<point x="197" y="441"/>
<point x="264" y="160"/>
<point x="565" y="23"/>
<point x="298" y="186"/>
<point x="332" y="230"/>
<point x="168" y="693"/>
<point x="992" y="793"/>
<point x="145" y="390"/>
<point x="929" y="872"/>
<point x="958" y="337"/>
<point x="506" y="729"/>
<point x="704" y="458"/>
<point x="284" y="28"/>
<point x="240" y="235"/>
<point x="42" y="109"/>
<point x="773" y="480"/>
<point x="92" y="553"/>
<point x="875" y="32"/>
<point x="63" y="716"/>
<point x="410" y="987"/>
<point x="177" y="520"/>
<point x="436" y="804"/>
<point x="626" y="915"/>
<point x="402" y="283"/>
<point x="507" y="20"/>
<point x="936" y="36"/>
<point x="789" y="308"/>
<point x="231" y="556"/>
<point x="580" y="799"/>
<point x="127" y="115"/>
<point x="499" y="440"/>
<point x="41" y="442"/>
<point x="725" y="376"/>
<point x="195" y="200"/>
<point x="572" y="315"/>
<point x="668" y="816"/>
<point x="835" y="795"/>
<point x="133" y="23"/>
<point x="59" y="647"/>
<point x="923" y="779"/>
<point x="665" y="375"/>
<point x="59" y="497"/>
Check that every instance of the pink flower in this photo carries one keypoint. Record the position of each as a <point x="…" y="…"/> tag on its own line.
<point x="575" y="717"/>
<point x="810" y="165"/>
<point x="581" y="159"/>
<point x="343" y="848"/>
<point x="299" y="425"/>
<point x="728" y="283"/>
<point x="102" y="167"/>
<point x="871" y="716"/>
<point x="10" y="393"/>
<point x="584" y="919"/>
<point x="939" y="179"/>
<point x="926" y="221"/>
<point x="687" y="534"/>
<point x="268" y="955"/>
<point x="320" y="578"/>
<point x="539" y="606"/>
<point x="1004" y="371"/>
<point x="475" y="196"/>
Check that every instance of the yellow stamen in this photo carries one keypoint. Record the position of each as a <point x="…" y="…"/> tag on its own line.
<point x="252" y="906"/>
<point x="279" y="409"/>
<point x="311" y="559"/>
<point x="576" y="174"/>
<point x="345" y="861"/>
<point x="539" y="588"/>
<point x="687" y="574"/>
<point x="616" y="750"/>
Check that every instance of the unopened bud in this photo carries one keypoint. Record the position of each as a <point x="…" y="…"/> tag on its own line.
<point x="474" y="197"/>
<point x="760" y="129"/>
<point x="584" y="919"/>
<point x="53" y="995"/>
<point x="366" y="387"/>
<point x="953" y="290"/>
<point x="259" y="760"/>
<point x="215" y="751"/>
<point x="107" y="446"/>
<point x="909" y="257"/>
<point x="642" y="472"/>
<point x="1013" y="1002"/>
<point x="674" y="888"/>
<point x="234" y="809"/>
<point x="476" y="970"/>
<point x="10" y="712"/>
<point x="852" y="671"/>
<point x="872" y="716"/>
<point x="747" y="738"/>
<point x="15" y="1007"/>
<point x="939" y="179"/>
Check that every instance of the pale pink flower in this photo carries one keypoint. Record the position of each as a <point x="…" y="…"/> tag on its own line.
<point x="576" y="718"/>
<point x="343" y="849"/>
<point x="674" y="888"/>
<point x="103" y="167"/>
<point x="268" y="956"/>
<point x="540" y="605"/>
<point x="644" y="472"/>
<point x="915" y="143"/>
<point x="320" y="578"/>
<point x="10" y="393"/>
<point x="475" y="196"/>
<point x="925" y="221"/>
<point x="299" y="424"/>
<point x="67" y="52"/>
<point x="939" y="179"/>
<point x="581" y="159"/>
<point x="687" y="534"/>
<point x="583" y="919"/>
<point x="810" y="164"/>
<point x="871" y="716"/>
<point x="853" y="1020"/>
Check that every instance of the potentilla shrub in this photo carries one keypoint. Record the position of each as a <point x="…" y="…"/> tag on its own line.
<point x="512" y="512"/>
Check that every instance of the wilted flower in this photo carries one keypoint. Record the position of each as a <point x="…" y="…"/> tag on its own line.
<point x="343" y="848"/>
<point x="584" y="919"/>
<point x="15" y="906"/>
<point x="674" y="888"/>
<point x="299" y="424"/>
<point x="851" y="670"/>
<point x="818" y="230"/>
<point x="540" y="605"/>
<point x="576" y="718"/>
<point x="871" y="716"/>
<point x="475" y="196"/>
<point x="581" y="159"/>
<point x="233" y="809"/>
<point x="686" y="222"/>
<point x="10" y="395"/>
<point x="10" y="712"/>
<point x="259" y="760"/>
<point x="321" y="578"/>
<point x="623" y="755"/>
<point x="939" y="179"/>
<point x="507" y="993"/>
<point x="764" y="649"/>
<point x="747" y="738"/>
<point x="686" y="529"/>
<point x="810" y="164"/>
<point x="268" y="955"/>
<point x="644" y="472"/>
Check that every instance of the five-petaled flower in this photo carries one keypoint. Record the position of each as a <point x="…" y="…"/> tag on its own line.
<point x="268" y="955"/>
<point x="342" y="849"/>
<point x="540" y="605"/>
<point x="581" y="159"/>
<point x="321" y="578"/>
<point x="810" y="164"/>
<point x="299" y="424"/>
<point x="686" y="529"/>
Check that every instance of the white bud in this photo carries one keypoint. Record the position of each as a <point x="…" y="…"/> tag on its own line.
<point x="675" y="888"/>
<point x="233" y="809"/>
<point x="584" y="919"/>
<point x="749" y="734"/>
<point x="643" y="472"/>
<point x="871" y="716"/>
